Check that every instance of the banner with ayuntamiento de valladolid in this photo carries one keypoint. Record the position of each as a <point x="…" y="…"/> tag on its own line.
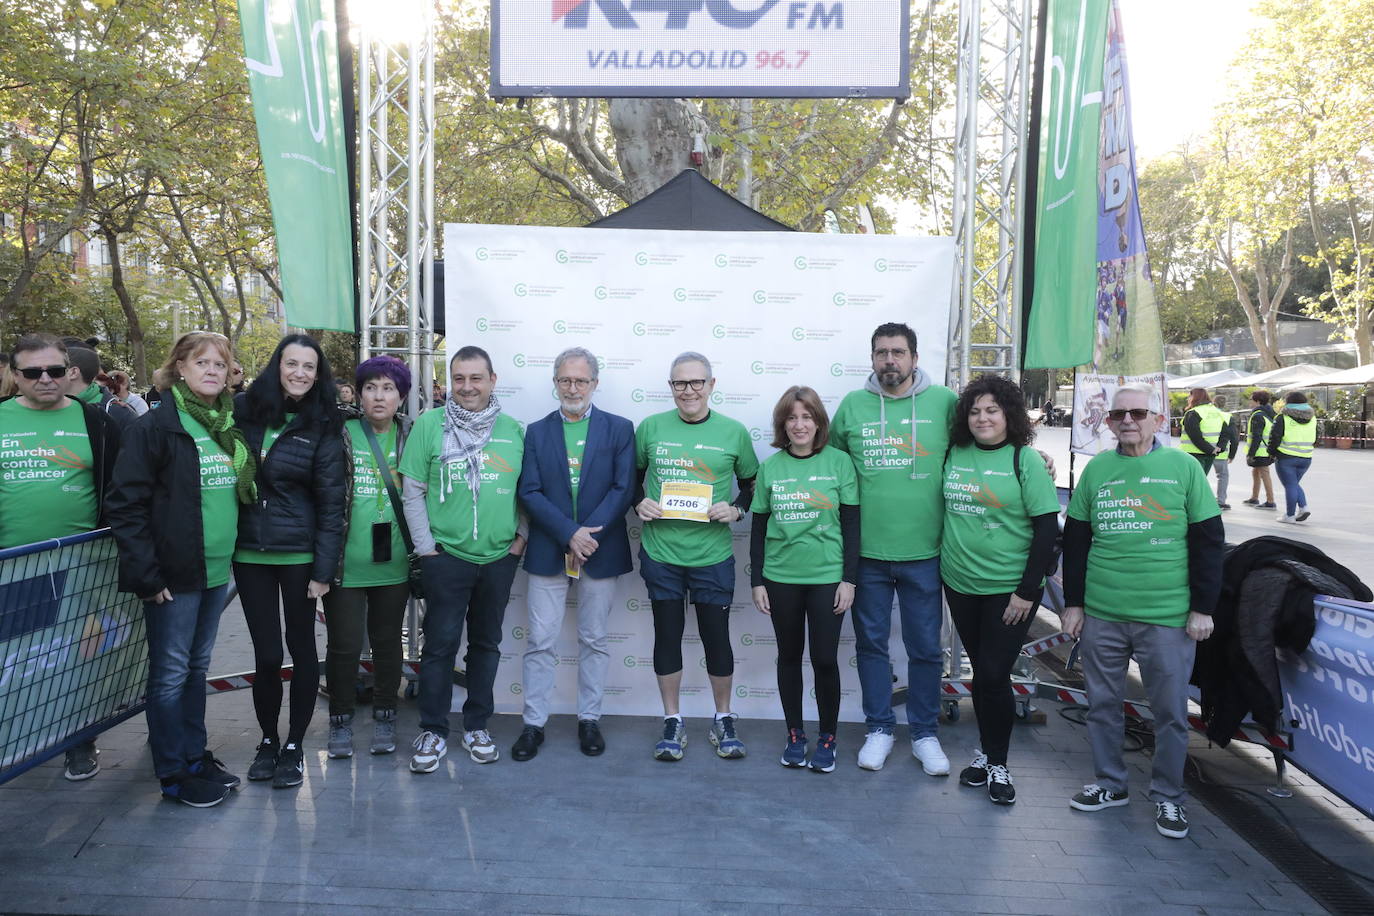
<point x="769" y="309"/>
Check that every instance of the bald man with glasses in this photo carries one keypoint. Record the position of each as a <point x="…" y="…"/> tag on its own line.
<point x="1142" y="572"/>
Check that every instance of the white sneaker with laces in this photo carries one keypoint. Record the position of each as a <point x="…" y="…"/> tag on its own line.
<point x="1288" y="520"/>
<point x="480" y="747"/>
<point x="932" y="756"/>
<point x="429" y="750"/>
<point x="874" y="753"/>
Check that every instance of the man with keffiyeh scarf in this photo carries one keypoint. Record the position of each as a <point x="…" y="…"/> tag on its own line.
<point x="460" y="469"/>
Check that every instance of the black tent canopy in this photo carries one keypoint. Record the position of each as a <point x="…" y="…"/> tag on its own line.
<point x="689" y="201"/>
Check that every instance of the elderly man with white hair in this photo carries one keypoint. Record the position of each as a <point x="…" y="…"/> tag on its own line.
<point x="1142" y="572"/>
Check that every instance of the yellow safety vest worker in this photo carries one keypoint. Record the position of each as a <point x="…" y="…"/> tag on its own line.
<point x="1298" y="438"/>
<point x="1266" y="427"/>
<point x="1210" y="422"/>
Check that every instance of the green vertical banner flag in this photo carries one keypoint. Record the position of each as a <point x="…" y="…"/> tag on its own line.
<point x="291" y="50"/>
<point x="1059" y="331"/>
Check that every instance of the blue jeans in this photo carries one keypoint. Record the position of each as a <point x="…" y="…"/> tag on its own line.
<point x="1290" y="471"/>
<point x="457" y="590"/>
<point x="181" y="635"/>
<point x="916" y="583"/>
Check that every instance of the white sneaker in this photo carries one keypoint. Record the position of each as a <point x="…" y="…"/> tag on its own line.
<point x="874" y="753"/>
<point x="480" y="747"/>
<point x="1288" y="520"/>
<point x="932" y="756"/>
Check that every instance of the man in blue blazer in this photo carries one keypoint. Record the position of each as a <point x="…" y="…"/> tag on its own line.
<point x="576" y="486"/>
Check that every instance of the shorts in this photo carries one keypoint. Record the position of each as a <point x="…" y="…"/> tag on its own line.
<point x="1259" y="462"/>
<point x="714" y="584"/>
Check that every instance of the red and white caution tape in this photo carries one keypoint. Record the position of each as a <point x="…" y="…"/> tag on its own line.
<point x="1041" y="646"/>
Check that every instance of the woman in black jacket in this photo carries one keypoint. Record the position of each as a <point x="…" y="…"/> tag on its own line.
<point x="290" y="539"/>
<point x="182" y="474"/>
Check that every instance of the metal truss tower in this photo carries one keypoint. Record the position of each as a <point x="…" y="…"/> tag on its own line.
<point x="397" y="233"/>
<point x="996" y="48"/>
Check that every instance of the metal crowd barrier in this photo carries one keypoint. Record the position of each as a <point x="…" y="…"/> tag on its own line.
<point x="73" y="658"/>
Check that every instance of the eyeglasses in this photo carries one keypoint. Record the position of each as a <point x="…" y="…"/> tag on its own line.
<point x="564" y="381"/>
<point x="898" y="353"/>
<point x="1137" y="413"/>
<point x="696" y="384"/>
<point x="34" y="373"/>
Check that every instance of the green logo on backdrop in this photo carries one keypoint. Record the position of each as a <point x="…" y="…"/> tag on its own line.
<point x="481" y="254"/>
<point x="840" y="299"/>
<point x="628" y="661"/>
<point x="560" y="326"/>
<point x="641" y="258"/>
<point x="634" y="605"/>
<point x="741" y="691"/>
<point x="880" y="265"/>
<point x="722" y="260"/>
<point x="482" y="324"/>
<point x="601" y="292"/>
<point x="521" y="289"/>
<point x="799" y="263"/>
<point x="717" y="398"/>
<point x="837" y="369"/>
<point x="519" y="360"/>
<point x="756" y="367"/>
<point x="680" y="294"/>
<point x="561" y="256"/>
<point x="718" y="331"/>
<point x="746" y="639"/>
<point x="638" y="328"/>
<point x="601" y="364"/>
<point x="517" y="633"/>
<point x="799" y="334"/>
<point x="637" y="395"/>
<point x="760" y="296"/>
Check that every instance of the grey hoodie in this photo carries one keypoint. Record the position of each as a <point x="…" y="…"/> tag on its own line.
<point x="919" y="383"/>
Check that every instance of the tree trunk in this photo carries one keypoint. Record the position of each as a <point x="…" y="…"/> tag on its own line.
<point x="126" y="302"/>
<point x="653" y="141"/>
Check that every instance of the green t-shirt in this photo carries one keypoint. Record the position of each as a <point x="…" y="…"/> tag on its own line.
<point x="268" y="557"/>
<point x="900" y="507"/>
<point x="449" y="500"/>
<point x="1140" y="510"/>
<point x="575" y="441"/>
<point x="371" y="504"/>
<point x="47" y="485"/>
<point x="219" y="503"/>
<point x="715" y="451"/>
<point x="803" y="495"/>
<point x="987" y="532"/>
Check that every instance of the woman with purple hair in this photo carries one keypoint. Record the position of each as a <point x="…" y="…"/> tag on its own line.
<point x="372" y="584"/>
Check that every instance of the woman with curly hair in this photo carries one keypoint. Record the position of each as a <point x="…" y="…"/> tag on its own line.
<point x="999" y="534"/>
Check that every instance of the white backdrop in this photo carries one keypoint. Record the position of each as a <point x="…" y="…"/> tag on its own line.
<point x="769" y="309"/>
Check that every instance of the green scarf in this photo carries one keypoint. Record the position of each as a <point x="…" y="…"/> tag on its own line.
<point x="91" y="394"/>
<point x="218" y="421"/>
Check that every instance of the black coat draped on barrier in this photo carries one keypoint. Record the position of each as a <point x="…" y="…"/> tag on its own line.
<point x="1268" y="586"/>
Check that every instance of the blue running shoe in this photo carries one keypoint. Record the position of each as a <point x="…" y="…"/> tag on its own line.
<point x="794" y="755"/>
<point x="669" y="747"/>
<point x="823" y="757"/>
<point x="723" y="736"/>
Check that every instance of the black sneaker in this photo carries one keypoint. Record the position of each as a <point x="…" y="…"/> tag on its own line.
<point x="194" y="791"/>
<point x="212" y="770"/>
<point x="1250" y="502"/>
<point x="976" y="773"/>
<point x="1171" y="820"/>
<point x="1095" y="798"/>
<point x="1000" y="789"/>
<point x="290" y="770"/>
<point x="1303" y="514"/>
<point x="82" y="762"/>
<point x="527" y="745"/>
<point x="264" y="765"/>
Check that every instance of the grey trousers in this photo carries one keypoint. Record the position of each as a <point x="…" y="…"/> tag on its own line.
<point x="1165" y="657"/>
<point x="548" y="598"/>
<point x="1223" y="469"/>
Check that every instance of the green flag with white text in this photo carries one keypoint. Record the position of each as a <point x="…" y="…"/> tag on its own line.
<point x="291" y="49"/>
<point x="1059" y="330"/>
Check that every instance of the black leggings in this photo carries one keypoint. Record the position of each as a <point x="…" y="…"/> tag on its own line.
<point x="992" y="648"/>
<point x="795" y="610"/>
<point x="713" y="625"/>
<point x="259" y="586"/>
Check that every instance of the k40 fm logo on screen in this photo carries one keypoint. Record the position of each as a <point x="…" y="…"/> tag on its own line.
<point x="621" y="14"/>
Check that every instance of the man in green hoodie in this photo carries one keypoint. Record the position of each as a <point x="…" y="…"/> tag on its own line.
<point x="82" y="385"/>
<point x="896" y="430"/>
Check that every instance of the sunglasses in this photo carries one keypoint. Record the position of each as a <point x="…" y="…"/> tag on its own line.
<point x="1137" y="413"/>
<point x="34" y="373"/>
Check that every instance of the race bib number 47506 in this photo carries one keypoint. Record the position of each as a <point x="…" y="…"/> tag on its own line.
<point x="688" y="501"/>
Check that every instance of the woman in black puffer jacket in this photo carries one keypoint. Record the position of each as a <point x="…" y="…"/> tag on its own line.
<point x="289" y="539"/>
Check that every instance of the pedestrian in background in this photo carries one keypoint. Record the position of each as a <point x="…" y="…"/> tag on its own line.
<point x="1291" y="442"/>
<point x="1257" y="454"/>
